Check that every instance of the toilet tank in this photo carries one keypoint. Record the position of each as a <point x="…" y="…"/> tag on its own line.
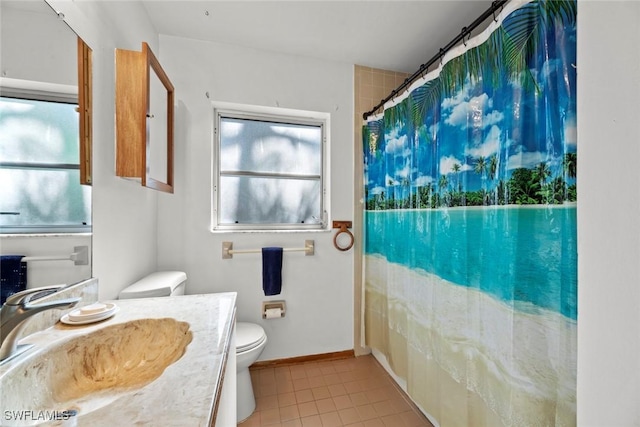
<point x="158" y="284"/>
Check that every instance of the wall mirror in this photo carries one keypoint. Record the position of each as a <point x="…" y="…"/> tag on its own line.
<point x="45" y="139"/>
<point x="159" y="149"/>
<point x="144" y="119"/>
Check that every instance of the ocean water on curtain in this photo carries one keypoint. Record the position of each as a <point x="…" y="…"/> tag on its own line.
<point x="525" y="257"/>
<point x="476" y="306"/>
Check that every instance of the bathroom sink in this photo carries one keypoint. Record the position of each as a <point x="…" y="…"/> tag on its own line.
<point x="89" y="371"/>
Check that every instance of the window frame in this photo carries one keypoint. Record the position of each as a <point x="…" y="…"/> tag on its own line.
<point x="276" y="115"/>
<point x="46" y="92"/>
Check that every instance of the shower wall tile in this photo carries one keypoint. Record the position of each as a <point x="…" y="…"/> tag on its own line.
<point x="371" y="85"/>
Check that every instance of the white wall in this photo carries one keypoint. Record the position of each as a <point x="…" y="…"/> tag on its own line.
<point x="318" y="289"/>
<point x="37" y="46"/>
<point x="124" y="213"/>
<point x="608" y="214"/>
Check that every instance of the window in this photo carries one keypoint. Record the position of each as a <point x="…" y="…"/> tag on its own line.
<point x="269" y="170"/>
<point x="39" y="166"/>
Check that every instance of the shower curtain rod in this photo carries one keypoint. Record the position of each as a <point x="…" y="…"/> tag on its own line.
<point x="498" y="4"/>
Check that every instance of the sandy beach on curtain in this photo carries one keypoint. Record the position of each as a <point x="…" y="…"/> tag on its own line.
<point x="518" y="361"/>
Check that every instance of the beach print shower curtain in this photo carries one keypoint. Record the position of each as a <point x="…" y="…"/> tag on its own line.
<point x="470" y="226"/>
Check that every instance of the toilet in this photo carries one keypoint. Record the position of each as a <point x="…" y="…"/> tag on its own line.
<point x="250" y="338"/>
<point x="250" y="341"/>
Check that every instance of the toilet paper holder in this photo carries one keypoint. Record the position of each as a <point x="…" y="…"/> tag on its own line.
<point x="273" y="309"/>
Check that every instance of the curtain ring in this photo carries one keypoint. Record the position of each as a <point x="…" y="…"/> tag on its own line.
<point x="464" y="30"/>
<point x="343" y="229"/>
<point x="441" y="55"/>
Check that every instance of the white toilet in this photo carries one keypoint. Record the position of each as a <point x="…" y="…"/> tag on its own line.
<point x="250" y="341"/>
<point x="250" y="338"/>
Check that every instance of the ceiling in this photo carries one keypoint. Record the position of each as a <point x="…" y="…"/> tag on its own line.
<point x="393" y="35"/>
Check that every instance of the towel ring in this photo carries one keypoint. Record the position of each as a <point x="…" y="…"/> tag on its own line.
<point x="343" y="229"/>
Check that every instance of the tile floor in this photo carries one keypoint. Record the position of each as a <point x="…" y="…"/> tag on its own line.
<point x="354" y="392"/>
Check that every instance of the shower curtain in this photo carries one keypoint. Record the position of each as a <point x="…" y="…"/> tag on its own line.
<point x="470" y="226"/>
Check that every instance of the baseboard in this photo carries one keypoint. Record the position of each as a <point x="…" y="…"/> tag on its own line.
<point x="346" y="354"/>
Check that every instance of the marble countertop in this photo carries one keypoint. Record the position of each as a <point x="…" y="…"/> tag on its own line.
<point x="185" y="394"/>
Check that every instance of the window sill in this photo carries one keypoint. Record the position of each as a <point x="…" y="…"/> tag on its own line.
<point x="28" y="235"/>
<point x="230" y="231"/>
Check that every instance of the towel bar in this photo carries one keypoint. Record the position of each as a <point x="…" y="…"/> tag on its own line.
<point x="228" y="251"/>
<point x="80" y="256"/>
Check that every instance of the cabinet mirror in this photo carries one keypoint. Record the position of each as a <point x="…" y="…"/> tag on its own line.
<point x="144" y="119"/>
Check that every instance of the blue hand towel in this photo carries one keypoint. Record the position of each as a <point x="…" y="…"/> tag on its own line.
<point x="271" y="271"/>
<point x="13" y="276"/>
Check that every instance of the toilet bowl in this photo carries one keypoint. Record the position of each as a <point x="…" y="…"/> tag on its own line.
<point x="250" y="341"/>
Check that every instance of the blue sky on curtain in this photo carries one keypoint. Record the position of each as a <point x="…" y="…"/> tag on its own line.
<point x="470" y="226"/>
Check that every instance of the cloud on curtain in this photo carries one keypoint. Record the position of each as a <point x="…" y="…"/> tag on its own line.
<point x="470" y="226"/>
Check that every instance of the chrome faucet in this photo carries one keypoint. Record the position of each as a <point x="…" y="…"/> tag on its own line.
<point x="17" y="309"/>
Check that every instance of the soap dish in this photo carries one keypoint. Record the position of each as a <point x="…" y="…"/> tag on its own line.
<point x="90" y="314"/>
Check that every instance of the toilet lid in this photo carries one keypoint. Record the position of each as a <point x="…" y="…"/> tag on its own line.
<point x="248" y="335"/>
<point x="158" y="284"/>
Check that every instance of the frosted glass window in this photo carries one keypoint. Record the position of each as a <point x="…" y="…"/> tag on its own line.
<point x="270" y="172"/>
<point x="39" y="168"/>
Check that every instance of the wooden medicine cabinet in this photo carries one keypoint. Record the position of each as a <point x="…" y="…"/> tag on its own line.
<point x="85" y="109"/>
<point x="144" y="119"/>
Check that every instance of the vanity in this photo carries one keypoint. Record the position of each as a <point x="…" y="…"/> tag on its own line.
<point x="63" y="376"/>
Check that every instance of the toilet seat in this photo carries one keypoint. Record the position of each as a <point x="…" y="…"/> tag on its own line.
<point x="248" y="336"/>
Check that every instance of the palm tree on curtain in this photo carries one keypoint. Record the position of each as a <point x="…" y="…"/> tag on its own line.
<point x="569" y="167"/>
<point x="507" y="51"/>
<point x="541" y="173"/>
<point x="443" y="183"/>
<point x="480" y="168"/>
<point x="492" y="169"/>
<point x="456" y="170"/>
<point x="569" y="164"/>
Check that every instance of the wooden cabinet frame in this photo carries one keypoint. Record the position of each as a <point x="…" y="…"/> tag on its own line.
<point x="133" y="142"/>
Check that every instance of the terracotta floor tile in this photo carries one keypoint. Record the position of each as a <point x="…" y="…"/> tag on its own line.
<point x="359" y="398"/>
<point x="337" y="390"/>
<point x="376" y="422"/>
<point x="270" y="416"/>
<point x="307" y="408"/>
<point x="384" y="408"/>
<point x="352" y="387"/>
<point x="267" y="376"/>
<point x="284" y="386"/>
<point x="326" y="405"/>
<point x="298" y="372"/>
<point x="331" y="419"/>
<point x="313" y="371"/>
<point x="326" y="370"/>
<point x="349" y="415"/>
<point x="267" y="390"/>
<point x="301" y="384"/>
<point x="342" y="402"/>
<point x="287" y="399"/>
<point x="266" y="402"/>
<point x="303" y="396"/>
<point x="288" y="413"/>
<point x="320" y="393"/>
<point x="317" y="381"/>
<point x="366" y="412"/>
<point x="332" y="379"/>
<point x="312" y="421"/>
<point x="376" y="395"/>
<point x="353" y="392"/>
